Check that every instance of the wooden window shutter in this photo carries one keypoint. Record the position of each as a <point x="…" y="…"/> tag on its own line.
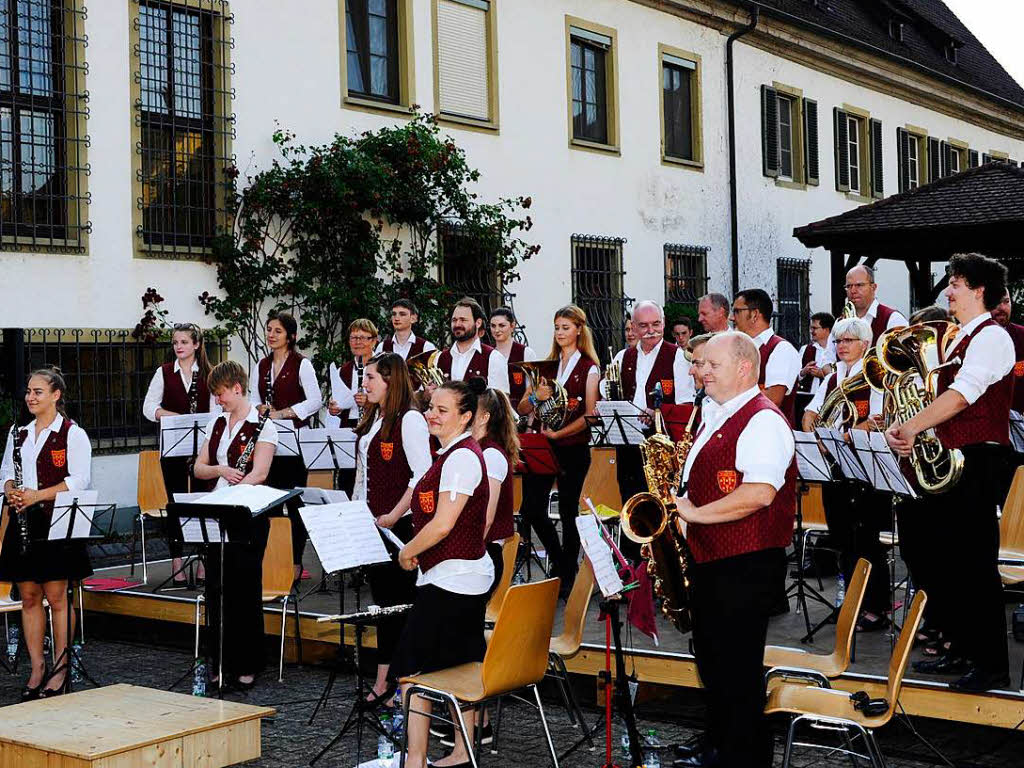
<point x="903" y="146"/>
<point x="811" y="141"/>
<point x="462" y="59"/>
<point x="770" y="130"/>
<point x="972" y="158"/>
<point x="947" y="163"/>
<point x="877" y="185"/>
<point x="934" y="159"/>
<point x="842" y="137"/>
<point x="986" y="158"/>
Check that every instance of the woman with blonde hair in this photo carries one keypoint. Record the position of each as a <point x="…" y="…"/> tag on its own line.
<point x="573" y="346"/>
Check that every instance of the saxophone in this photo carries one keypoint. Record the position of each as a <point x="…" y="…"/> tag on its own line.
<point x="19" y="481"/>
<point x="647" y="518"/>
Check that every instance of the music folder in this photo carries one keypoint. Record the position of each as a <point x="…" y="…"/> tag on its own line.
<point x="536" y="456"/>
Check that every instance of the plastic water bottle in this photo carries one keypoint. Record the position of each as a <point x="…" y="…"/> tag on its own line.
<point x="199" y="680"/>
<point x="840" y="590"/>
<point x="385" y="748"/>
<point x="397" y="719"/>
<point x="75" y="660"/>
<point x="13" y="640"/>
<point x="624" y="743"/>
<point x="651" y="744"/>
<point x="46" y="646"/>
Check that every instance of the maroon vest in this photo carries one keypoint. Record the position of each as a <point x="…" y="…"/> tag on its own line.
<point x="576" y="392"/>
<point x="387" y="469"/>
<point x="504" y="524"/>
<point x="804" y="382"/>
<point x="714" y="476"/>
<point x="287" y="388"/>
<point x="477" y="365"/>
<point x="662" y="371"/>
<point x="880" y="322"/>
<point x="788" y="406"/>
<point x="516" y="376"/>
<point x="987" y="420"/>
<point x="465" y="541"/>
<point x="51" y="464"/>
<point x="175" y="395"/>
<point x="237" y="446"/>
<point x="861" y="398"/>
<point x="1017" y="334"/>
<point x="345" y="374"/>
<point x="415" y="349"/>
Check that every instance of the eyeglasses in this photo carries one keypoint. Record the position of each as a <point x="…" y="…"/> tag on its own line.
<point x="848" y="340"/>
<point x="186" y="327"/>
<point x="742" y="309"/>
<point x="360" y="337"/>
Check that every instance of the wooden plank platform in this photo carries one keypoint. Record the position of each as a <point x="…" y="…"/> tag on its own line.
<point x="126" y="726"/>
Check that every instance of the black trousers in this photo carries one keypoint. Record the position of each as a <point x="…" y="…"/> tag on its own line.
<point x="175" y="471"/>
<point x="575" y="463"/>
<point x="390" y="584"/>
<point x="345" y="480"/>
<point x="244" y="652"/>
<point x="494" y="551"/>
<point x="731" y="601"/>
<point x="287" y="472"/>
<point x="855" y="516"/>
<point x="966" y="591"/>
<point x="629" y="471"/>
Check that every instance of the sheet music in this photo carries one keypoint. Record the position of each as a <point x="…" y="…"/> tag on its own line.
<point x="316" y="451"/>
<point x="600" y="555"/>
<point x="1017" y="431"/>
<point x="87" y="502"/>
<point x="287" y="438"/>
<point x="842" y="453"/>
<point x="632" y="427"/>
<point x="176" y="434"/>
<point x="861" y="442"/>
<point x="344" y="535"/>
<point x="254" y="497"/>
<point x="811" y="465"/>
<point x="889" y="466"/>
<point x="187" y="498"/>
<point x="192" y="530"/>
<point x="322" y="496"/>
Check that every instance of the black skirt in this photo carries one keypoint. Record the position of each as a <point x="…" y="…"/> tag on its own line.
<point x="443" y="630"/>
<point x="44" y="560"/>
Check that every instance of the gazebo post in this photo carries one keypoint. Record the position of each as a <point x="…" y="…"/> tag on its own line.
<point x="838" y="277"/>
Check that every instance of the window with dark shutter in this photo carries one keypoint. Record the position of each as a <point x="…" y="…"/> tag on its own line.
<point x="811" y="170"/>
<point x="934" y="159"/>
<point x="770" y="131"/>
<point x="372" y="49"/>
<point x="903" y="158"/>
<point x="972" y="158"/>
<point x="877" y="176"/>
<point x="786" y="137"/>
<point x="841" y="126"/>
<point x="986" y="158"/>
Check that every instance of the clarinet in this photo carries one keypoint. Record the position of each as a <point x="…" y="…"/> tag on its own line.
<point x="359" y="380"/>
<point x="243" y="460"/>
<point x="193" y="393"/>
<point x="269" y="399"/>
<point x="19" y="481"/>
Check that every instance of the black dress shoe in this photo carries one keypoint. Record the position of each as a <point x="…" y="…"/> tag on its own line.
<point x="948" y="664"/>
<point x="704" y="759"/>
<point x="978" y="680"/>
<point x="689" y="750"/>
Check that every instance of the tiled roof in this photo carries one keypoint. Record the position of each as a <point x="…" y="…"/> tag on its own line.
<point x="974" y="204"/>
<point x="929" y="24"/>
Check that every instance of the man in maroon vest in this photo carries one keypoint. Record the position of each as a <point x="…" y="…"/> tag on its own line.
<point x="970" y="413"/>
<point x="1001" y="315"/>
<point x="740" y="483"/>
<point x="860" y="290"/>
<point x="469" y="357"/>
<point x="817" y="361"/>
<point x="752" y="311"/>
<point x="403" y="342"/>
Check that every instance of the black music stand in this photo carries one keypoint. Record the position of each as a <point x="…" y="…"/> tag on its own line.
<point x="72" y="523"/>
<point x="617" y="428"/>
<point x="536" y="458"/>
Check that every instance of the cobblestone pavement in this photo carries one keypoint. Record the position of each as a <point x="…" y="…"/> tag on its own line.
<point x="288" y="740"/>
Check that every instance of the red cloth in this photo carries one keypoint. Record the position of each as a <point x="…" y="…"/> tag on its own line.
<point x="641" y="604"/>
<point x="676" y="417"/>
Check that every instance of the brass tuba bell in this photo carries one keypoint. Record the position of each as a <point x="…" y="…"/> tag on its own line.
<point x="424" y="369"/>
<point x="553" y="411"/>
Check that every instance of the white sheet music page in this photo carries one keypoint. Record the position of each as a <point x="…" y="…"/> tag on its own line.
<point x="344" y="535"/>
<point x="631" y="431"/>
<point x="192" y="530"/>
<point x="810" y="464"/>
<point x="890" y="467"/>
<point x="600" y="555"/>
<point x="287" y="437"/>
<point x="254" y="497"/>
<point x="188" y="498"/>
<point x="1017" y="431"/>
<point x="316" y="453"/>
<point x="83" y="515"/>
<point x="176" y="433"/>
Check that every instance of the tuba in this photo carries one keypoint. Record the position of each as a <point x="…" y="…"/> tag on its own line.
<point x="912" y="356"/>
<point x="553" y="411"/>
<point x="647" y="518"/>
<point x="839" y="411"/>
<point x="424" y="369"/>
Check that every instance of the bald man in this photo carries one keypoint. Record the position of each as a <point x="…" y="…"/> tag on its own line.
<point x="713" y="313"/>
<point x="739" y="504"/>
<point x="861" y="290"/>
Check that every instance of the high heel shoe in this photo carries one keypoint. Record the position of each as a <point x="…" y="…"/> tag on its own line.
<point x="30" y="694"/>
<point x="49" y="693"/>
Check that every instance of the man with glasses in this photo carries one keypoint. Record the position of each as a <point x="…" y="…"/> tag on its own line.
<point x="861" y="290"/>
<point x="818" y="358"/>
<point x="752" y="311"/>
<point x="403" y="342"/>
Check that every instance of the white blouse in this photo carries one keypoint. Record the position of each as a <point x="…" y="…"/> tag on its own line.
<point x="268" y="435"/>
<point x="307" y="378"/>
<point x="79" y="456"/>
<point x="155" y="393"/>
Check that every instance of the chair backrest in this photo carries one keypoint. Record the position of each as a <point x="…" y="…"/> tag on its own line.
<point x="813" y="506"/>
<point x="517" y="654"/>
<point x="152" y="494"/>
<point x="600" y="485"/>
<point x="846" y="624"/>
<point x="278" y="569"/>
<point x="901" y="653"/>
<point x="1011" y="524"/>
<point x="5" y="591"/>
<point x="576" y="608"/>
<point x="509" y="550"/>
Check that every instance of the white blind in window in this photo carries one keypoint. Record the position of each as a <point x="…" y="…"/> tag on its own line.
<point x="463" y="85"/>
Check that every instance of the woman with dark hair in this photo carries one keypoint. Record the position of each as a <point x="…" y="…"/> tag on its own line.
<point x="50" y="455"/>
<point x="503" y="327"/>
<point x="179" y="387"/>
<point x="285" y="383"/>
<point x="392" y="454"/>
<point x="449" y="516"/>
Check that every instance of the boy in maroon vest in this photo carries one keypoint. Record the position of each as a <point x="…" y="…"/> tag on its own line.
<point x="861" y="290"/>
<point x="740" y="481"/>
<point x="970" y="413"/>
<point x="469" y="357"/>
<point x="752" y="311"/>
<point x="403" y="342"/>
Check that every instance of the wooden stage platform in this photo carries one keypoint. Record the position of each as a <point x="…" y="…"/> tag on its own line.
<point x="124" y="726"/>
<point x="668" y="663"/>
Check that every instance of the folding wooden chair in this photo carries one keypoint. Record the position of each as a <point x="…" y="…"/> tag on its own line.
<point x="509" y="550"/>
<point x="279" y="580"/>
<point x="152" y="498"/>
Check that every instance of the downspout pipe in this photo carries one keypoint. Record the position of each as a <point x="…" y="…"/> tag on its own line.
<point x="755" y="13"/>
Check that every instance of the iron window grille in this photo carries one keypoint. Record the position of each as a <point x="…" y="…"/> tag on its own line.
<point x="589" y="90"/>
<point x="184" y="121"/>
<point x="686" y="275"/>
<point x="43" y="113"/>
<point x="372" y="39"/>
<point x="793" y="313"/>
<point x="597" y="288"/>
<point x="107" y="373"/>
